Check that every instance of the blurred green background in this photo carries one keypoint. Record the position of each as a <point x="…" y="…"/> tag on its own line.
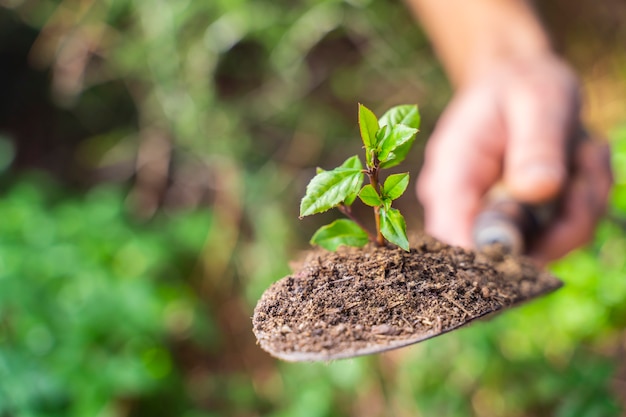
<point x="152" y="157"/>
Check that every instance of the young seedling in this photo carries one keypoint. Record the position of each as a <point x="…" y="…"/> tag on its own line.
<point x="386" y="141"/>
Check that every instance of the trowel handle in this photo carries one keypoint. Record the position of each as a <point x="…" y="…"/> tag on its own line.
<point x="514" y="224"/>
<point x="510" y="223"/>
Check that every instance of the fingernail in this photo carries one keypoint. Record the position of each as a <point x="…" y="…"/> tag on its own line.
<point x="536" y="182"/>
<point x="542" y="173"/>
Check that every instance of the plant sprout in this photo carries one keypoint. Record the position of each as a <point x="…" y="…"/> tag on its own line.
<point x="387" y="141"/>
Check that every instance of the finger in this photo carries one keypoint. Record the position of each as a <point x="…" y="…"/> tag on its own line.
<point x="583" y="204"/>
<point x="572" y="229"/>
<point x="462" y="160"/>
<point x="539" y="120"/>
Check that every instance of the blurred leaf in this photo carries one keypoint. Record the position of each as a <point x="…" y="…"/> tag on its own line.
<point x="88" y="310"/>
<point x="7" y="152"/>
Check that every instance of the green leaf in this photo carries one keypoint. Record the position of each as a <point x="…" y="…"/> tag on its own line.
<point x="368" y="124"/>
<point x="395" y="185"/>
<point x="318" y="170"/>
<point x="393" y="227"/>
<point x="399" y="154"/>
<point x="338" y="233"/>
<point x="370" y="196"/>
<point x="328" y="189"/>
<point x="391" y="146"/>
<point x="406" y="114"/>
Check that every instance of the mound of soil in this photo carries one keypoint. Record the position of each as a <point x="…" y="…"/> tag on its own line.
<point x="361" y="301"/>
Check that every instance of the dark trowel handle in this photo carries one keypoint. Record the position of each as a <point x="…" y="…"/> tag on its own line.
<point x="513" y="224"/>
<point x="510" y="223"/>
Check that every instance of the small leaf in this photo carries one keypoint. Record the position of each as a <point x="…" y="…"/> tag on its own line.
<point x="395" y="137"/>
<point x="406" y="114"/>
<point x="395" y="185"/>
<point x="398" y="155"/>
<point x="368" y="125"/>
<point x="318" y="170"/>
<point x="393" y="227"/>
<point x="370" y="196"/>
<point x="330" y="188"/>
<point x="338" y="233"/>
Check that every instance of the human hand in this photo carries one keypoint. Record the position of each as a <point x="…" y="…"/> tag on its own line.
<point x="512" y="123"/>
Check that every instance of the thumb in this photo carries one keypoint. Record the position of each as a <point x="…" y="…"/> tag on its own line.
<point x="539" y="124"/>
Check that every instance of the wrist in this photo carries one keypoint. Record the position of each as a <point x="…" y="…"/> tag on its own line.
<point x="471" y="36"/>
<point x="519" y="43"/>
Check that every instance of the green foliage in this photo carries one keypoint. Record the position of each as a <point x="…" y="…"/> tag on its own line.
<point x="618" y="193"/>
<point x="386" y="144"/>
<point x="88" y="300"/>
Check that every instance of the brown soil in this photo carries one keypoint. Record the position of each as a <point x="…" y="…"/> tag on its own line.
<point x="360" y="301"/>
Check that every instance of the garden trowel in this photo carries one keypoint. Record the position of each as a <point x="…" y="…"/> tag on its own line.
<point x="455" y="288"/>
